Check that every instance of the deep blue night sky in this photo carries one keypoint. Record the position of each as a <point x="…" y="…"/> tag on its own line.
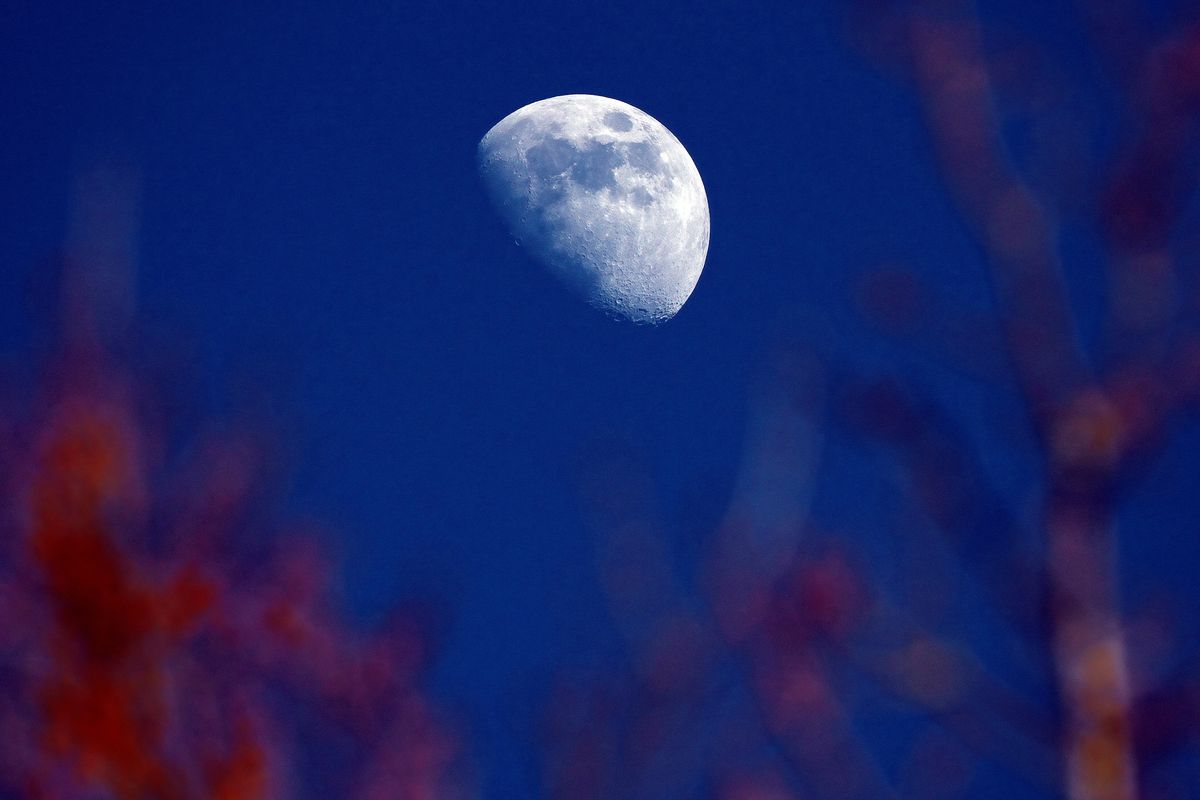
<point x="312" y="226"/>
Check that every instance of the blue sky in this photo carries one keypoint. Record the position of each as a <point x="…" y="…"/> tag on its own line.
<point x="313" y="227"/>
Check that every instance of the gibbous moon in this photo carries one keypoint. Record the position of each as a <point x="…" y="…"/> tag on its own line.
<point x="605" y="197"/>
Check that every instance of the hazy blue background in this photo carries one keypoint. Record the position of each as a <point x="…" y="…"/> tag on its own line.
<point x="313" y="228"/>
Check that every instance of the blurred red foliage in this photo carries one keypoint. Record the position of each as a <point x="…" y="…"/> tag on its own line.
<point x="153" y="643"/>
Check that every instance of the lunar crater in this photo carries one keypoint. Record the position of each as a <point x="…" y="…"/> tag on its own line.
<point x="618" y="121"/>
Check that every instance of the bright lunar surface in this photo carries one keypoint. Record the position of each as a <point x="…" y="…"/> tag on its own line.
<point x="605" y="197"/>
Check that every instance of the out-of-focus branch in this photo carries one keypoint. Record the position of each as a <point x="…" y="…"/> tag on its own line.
<point x="956" y="690"/>
<point x="948" y="486"/>
<point x="1019" y="242"/>
<point x="757" y="539"/>
<point x="1143" y="205"/>
<point x="1017" y="238"/>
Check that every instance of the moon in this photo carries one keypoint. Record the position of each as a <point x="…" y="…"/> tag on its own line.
<point x="605" y="197"/>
